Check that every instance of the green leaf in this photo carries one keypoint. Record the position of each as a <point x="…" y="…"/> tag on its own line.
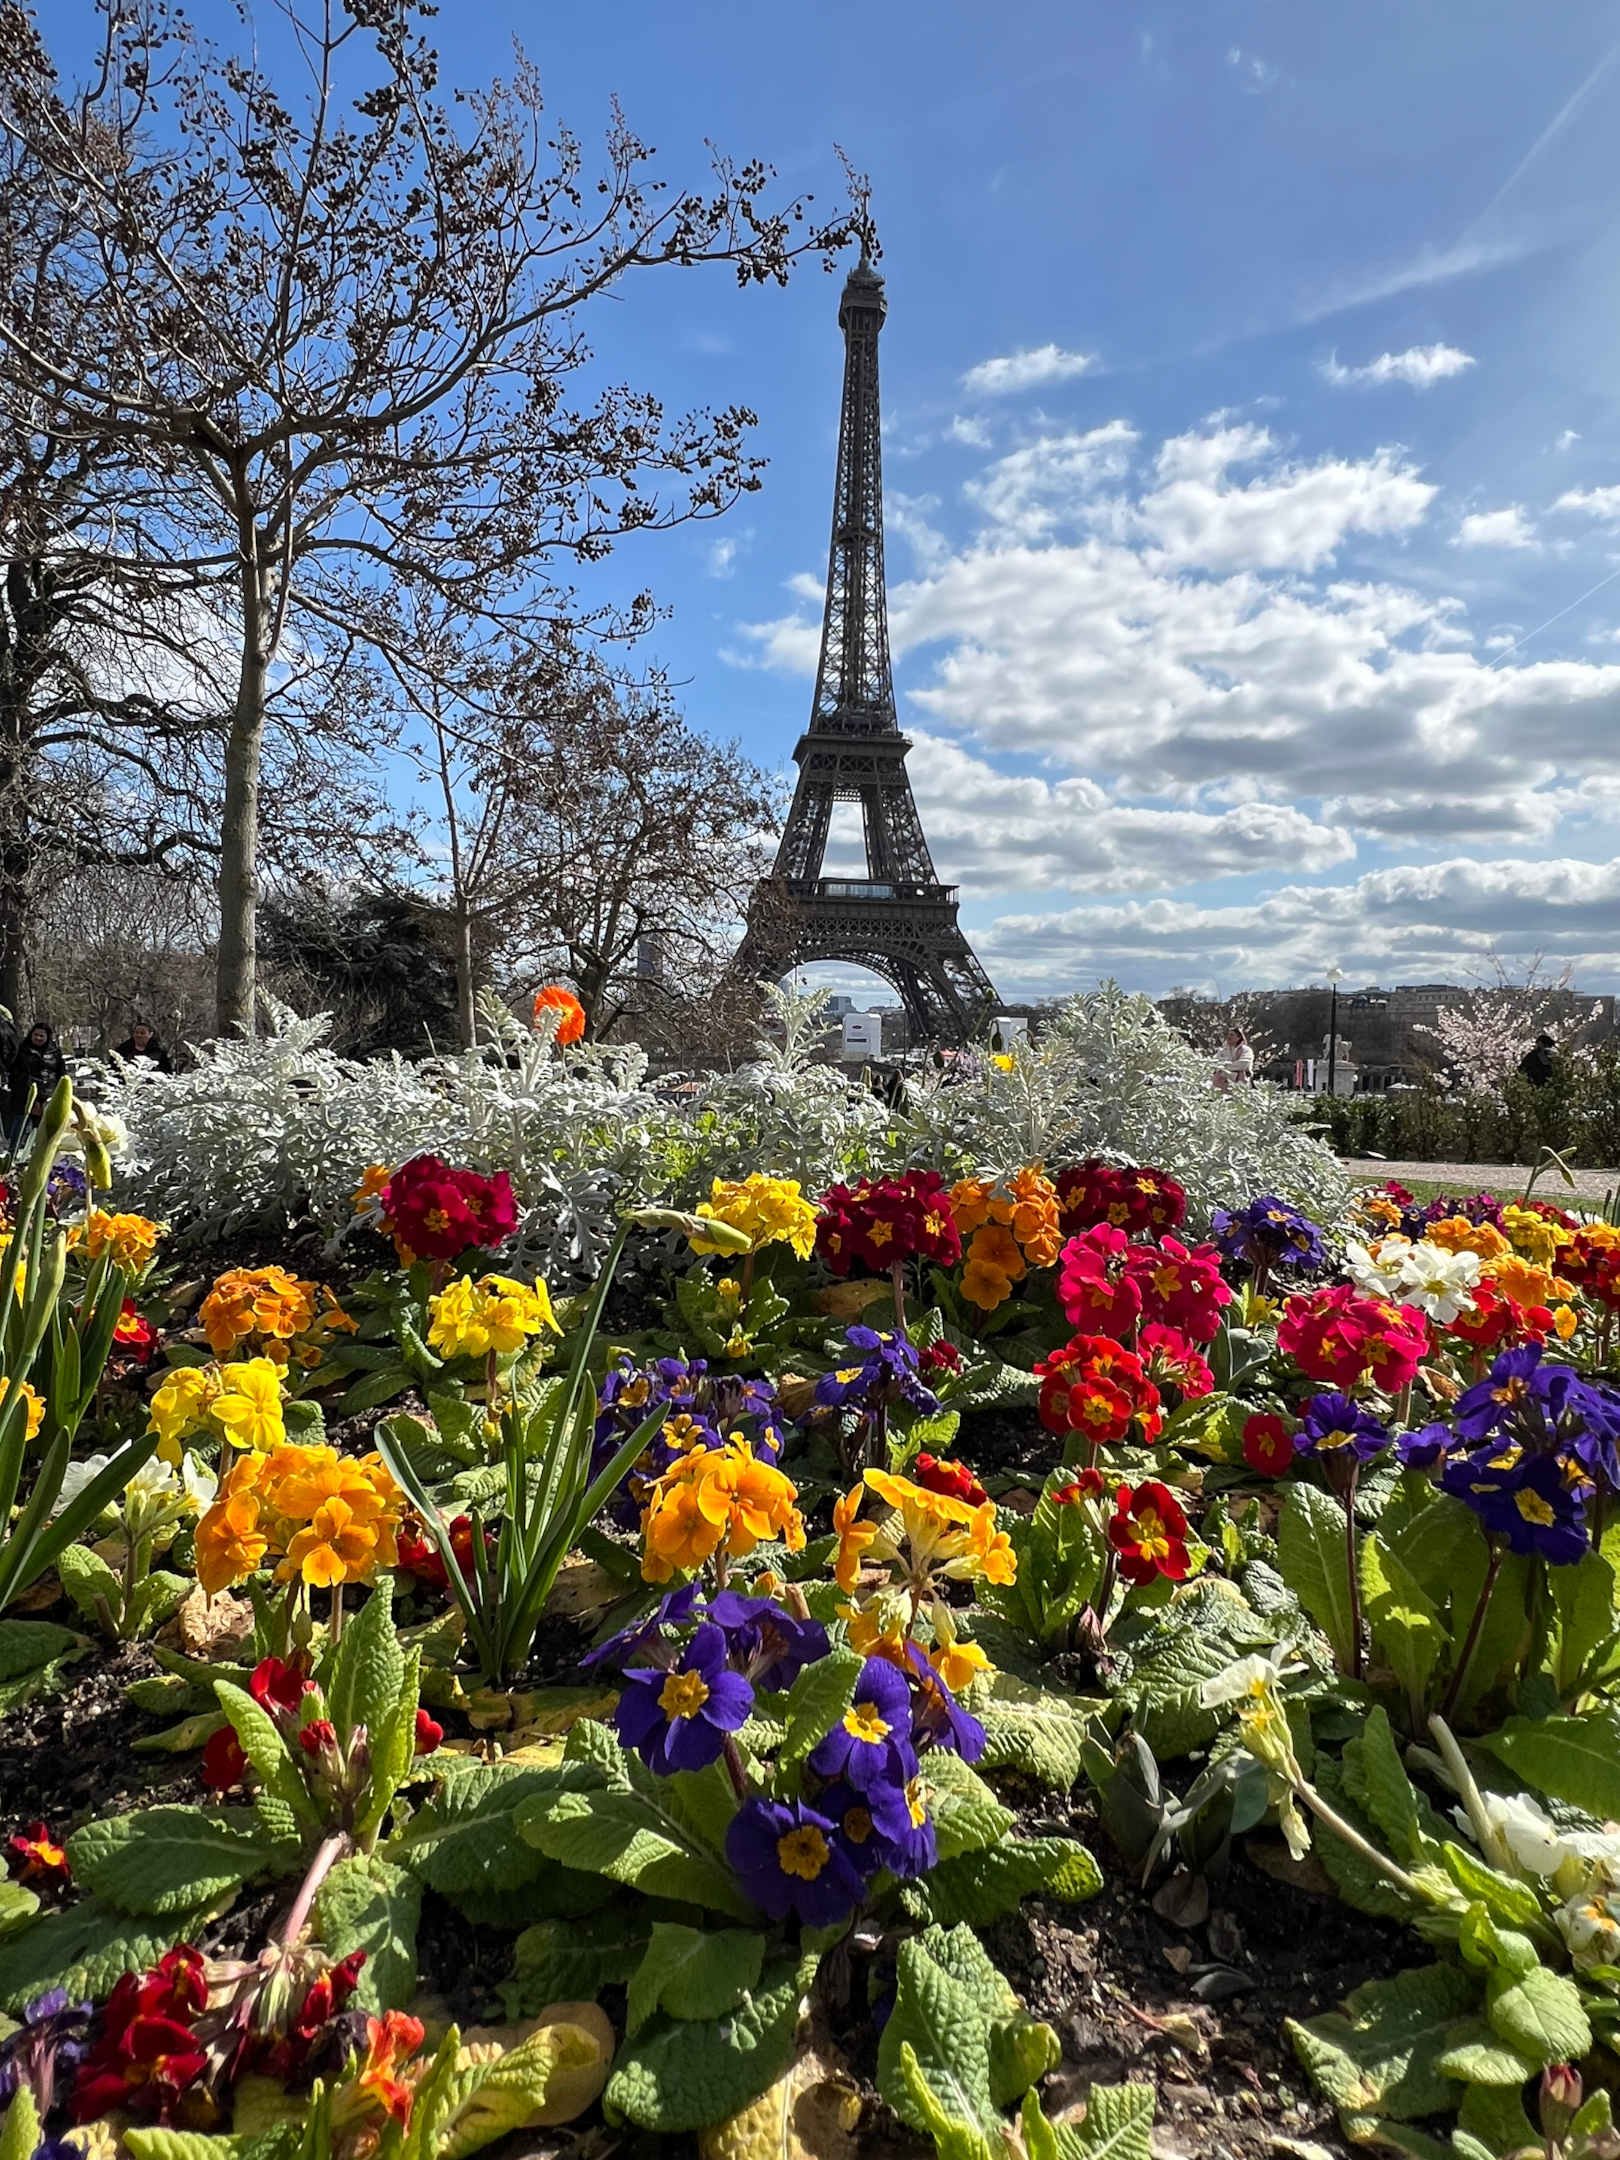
<point x="941" y="2017"/>
<point x="20" y="2133"/>
<point x="573" y="1960"/>
<point x="1477" y="2057"/>
<point x="1504" y="1635"/>
<point x="1407" y="1631"/>
<point x="967" y="1815"/>
<point x="369" y="1904"/>
<point x="368" y="1667"/>
<point x="1583" y="1597"/>
<point x="557" y="1893"/>
<point x="625" y="1836"/>
<point x="1385" y="1789"/>
<point x="1030" y="1729"/>
<point x="85" y="1577"/>
<point x="1383" y="2056"/>
<point x="86" y="1949"/>
<point x="33" y="1654"/>
<point x="1357" y="1881"/>
<point x="465" y="1838"/>
<point x="266" y="1750"/>
<point x="172" y="1859"/>
<point x="1539" y="2014"/>
<point x="1117" y="2125"/>
<point x="147" y="2141"/>
<point x="1493" y="2116"/>
<point x="980" y="1886"/>
<point x="1512" y="1903"/>
<point x="954" y="2137"/>
<point x="689" y="1974"/>
<point x="1022" y="2052"/>
<point x="1570" y="1758"/>
<point x="691" y="2074"/>
<point x="373" y="1388"/>
<point x="613" y="1816"/>
<point x="817" y="1699"/>
<point x="18" y="1906"/>
<point x="1311" y="1554"/>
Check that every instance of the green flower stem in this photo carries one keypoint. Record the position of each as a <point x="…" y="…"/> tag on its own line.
<point x="1354" y="1574"/>
<point x="1487" y="1836"/>
<point x="897" y="1275"/>
<point x="1406" y="1884"/>
<point x="327" y="1854"/>
<point x="1471" y="1640"/>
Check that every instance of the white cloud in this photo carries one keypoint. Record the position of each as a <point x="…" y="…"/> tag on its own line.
<point x="1049" y="481"/>
<point x="1011" y="372"/>
<point x="1601" y="502"/>
<point x="722" y="558"/>
<point x="1567" y="438"/>
<point x="1421" y="366"/>
<point x="965" y="429"/>
<point x="990" y="831"/>
<point x="1409" y="923"/>
<point x="1508" y="528"/>
<point x="1288" y="517"/>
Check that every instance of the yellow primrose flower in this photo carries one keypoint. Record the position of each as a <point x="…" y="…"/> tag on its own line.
<point x="767" y="1210"/>
<point x="934" y="1534"/>
<point x="1533" y="1235"/>
<point x="248" y="1405"/>
<point x="494" y="1314"/>
<point x="35" y="1413"/>
<point x="717" y="1501"/>
<point x="1525" y="1283"/>
<point x="180" y="1407"/>
<point x="1565" y="1321"/>
<point x="128" y="1241"/>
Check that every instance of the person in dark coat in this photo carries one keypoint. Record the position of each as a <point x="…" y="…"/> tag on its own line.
<point x="1540" y="1061"/>
<point x="142" y="1042"/>
<point x="35" y="1070"/>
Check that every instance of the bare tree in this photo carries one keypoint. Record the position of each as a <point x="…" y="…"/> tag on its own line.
<point x="645" y="839"/>
<point x="337" y="342"/>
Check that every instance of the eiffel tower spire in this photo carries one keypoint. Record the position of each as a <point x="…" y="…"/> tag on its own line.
<point x="898" y="919"/>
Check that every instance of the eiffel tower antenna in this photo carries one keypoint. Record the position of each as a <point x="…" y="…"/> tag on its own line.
<point x="897" y="920"/>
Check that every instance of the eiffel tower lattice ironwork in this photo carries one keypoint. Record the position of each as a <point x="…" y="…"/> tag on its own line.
<point x="897" y="920"/>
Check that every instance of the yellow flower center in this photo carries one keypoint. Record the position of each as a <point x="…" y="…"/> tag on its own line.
<point x="864" y="1722"/>
<point x="846" y="1373"/>
<point x="914" y="1801"/>
<point x="881" y="1233"/>
<point x="1533" y="1508"/>
<point x="683" y="1694"/>
<point x="857" y="1825"/>
<point x="1152" y="1539"/>
<point x="437" y="1220"/>
<point x="1166" y="1281"/>
<point x="803" y="1852"/>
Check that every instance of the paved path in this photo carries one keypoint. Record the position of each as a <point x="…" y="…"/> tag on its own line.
<point x="1467" y="1177"/>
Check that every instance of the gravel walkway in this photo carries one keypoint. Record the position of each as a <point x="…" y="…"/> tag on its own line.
<point x="1466" y="1177"/>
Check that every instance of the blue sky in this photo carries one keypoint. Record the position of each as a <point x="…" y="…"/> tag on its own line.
<point x="1250" y="392"/>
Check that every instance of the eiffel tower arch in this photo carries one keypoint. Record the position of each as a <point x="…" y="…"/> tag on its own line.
<point x="897" y="919"/>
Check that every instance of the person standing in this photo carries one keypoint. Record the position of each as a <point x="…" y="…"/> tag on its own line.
<point x="1234" y="1062"/>
<point x="35" y="1071"/>
<point x="142" y="1042"/>
<point x="1540" y="1061"/>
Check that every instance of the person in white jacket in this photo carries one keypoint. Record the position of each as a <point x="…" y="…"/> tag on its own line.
<point x="1234" y="1062"/>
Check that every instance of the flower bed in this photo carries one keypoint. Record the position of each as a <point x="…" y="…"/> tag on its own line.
<point x="712" y="1693"/>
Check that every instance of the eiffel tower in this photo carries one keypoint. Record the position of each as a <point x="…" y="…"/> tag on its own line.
<point x="898" y="920"/>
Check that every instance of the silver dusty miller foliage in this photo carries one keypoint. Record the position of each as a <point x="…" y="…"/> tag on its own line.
<point x="280" y="1128"/>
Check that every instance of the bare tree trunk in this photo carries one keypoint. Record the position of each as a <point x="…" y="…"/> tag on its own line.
<point x="236" y="972"/>
<point x="466" y="1015"/>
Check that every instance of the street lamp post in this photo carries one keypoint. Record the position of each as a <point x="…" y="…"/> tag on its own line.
<point x="1333" y="976"/>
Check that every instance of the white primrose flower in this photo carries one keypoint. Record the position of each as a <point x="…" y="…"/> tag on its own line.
<point x="1535" y="1841"/>
<point x="1438" y="1282"/>
<point x="1376" y="1270"/>
<point x="75" y="1478"/>
<point x="1590" y="1925"/>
